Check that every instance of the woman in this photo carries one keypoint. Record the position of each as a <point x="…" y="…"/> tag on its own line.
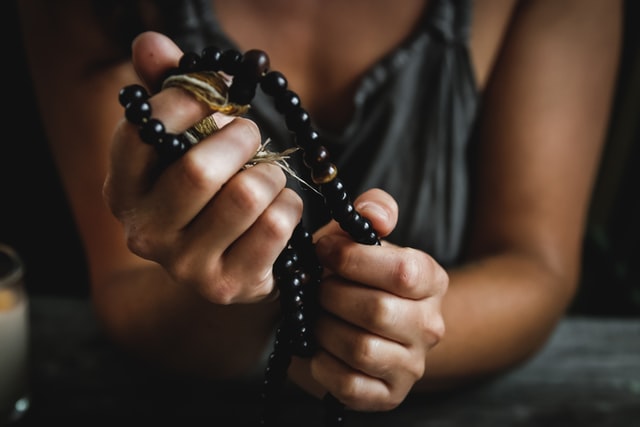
<point x="470" y="133"/>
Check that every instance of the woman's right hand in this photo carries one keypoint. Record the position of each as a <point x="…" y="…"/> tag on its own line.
<point x="210" y="223"/>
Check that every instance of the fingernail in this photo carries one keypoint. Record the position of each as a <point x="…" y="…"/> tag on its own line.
<point x="369" y="210"/>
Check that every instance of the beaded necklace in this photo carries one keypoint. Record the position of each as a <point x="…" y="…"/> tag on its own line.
<point x="297" y="271"/>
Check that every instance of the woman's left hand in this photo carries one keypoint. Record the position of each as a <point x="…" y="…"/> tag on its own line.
<point x="381" y="313"/>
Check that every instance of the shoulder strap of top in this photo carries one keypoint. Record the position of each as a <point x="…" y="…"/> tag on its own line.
<point x="451" y="19"/>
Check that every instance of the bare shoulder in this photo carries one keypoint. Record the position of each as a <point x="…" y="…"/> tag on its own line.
<point x="594" y="24"/>
<point x="489" y="26"/>
<point x="546" y="104"/>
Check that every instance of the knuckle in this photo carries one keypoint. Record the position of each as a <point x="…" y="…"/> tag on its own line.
<point x="433" y="330"/>
<point x="436" y="331"/>
<point x="140" y="242"/>
<point x="392" y="401"/>
<point x="251" y="129"/>
<point x="244" y="196"/>
<point x="345" y="259"/>
<point x="381" y="312"/>
<point x="408" y="273"/>
<point x="348" y="391"/>
<point x="223" y="292"/>
<point x="442" y="279"/>
<point x="276" y="225"/>
<point x="417" y="369"/>
<point x="438" y="328"/>
<point x="365" y="351"/>
<point x="203" y="275"/>
<point x="196" y="172"/>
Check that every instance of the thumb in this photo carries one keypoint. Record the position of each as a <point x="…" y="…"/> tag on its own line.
<point x="377" y="206"/>
<point x="153" y="54"/>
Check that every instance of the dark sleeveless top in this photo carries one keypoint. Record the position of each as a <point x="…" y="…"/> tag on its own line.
<point x="414" y="114"/>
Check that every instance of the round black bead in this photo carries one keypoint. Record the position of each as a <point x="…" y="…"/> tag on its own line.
<point x="359" y="228"/>
<point x="152" y="132"/>
<point x="138" y="111"/>
<point x="342" y="214"/>
<point x="333" y="188"/>
<point x="301" y="239"/>
<point x="241" y="91"/>
<point x="297" y="119"/>
<point x="286" y="263"/>
<point x="315" y="156"/>
<point x="307" y="139"/>
<point x="287" y="101"/>
<point x="295" y="303"/>
<point x="230" y="61"/>
<point x="172" y="146"/>
<point x="189" y="62"/>
<point x="274" y="83"/>
<point x="210" y="58"/>
<point x="132" y="93"/>
<point x="255" y="63"/>
<point x="338" y="201"/>
<point x="371" y="238"/>
<point x="304" y="347"/>
<point x="292" y="285"/>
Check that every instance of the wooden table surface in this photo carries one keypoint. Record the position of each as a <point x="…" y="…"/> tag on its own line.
<point x="588" y="375"/>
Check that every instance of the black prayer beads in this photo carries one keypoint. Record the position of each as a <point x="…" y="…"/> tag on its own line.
<point x="297" y="271"/>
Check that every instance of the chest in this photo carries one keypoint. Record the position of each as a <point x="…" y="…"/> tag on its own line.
<point x="324" y="47"/>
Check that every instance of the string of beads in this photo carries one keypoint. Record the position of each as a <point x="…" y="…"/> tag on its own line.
<point x="297" y="271"/>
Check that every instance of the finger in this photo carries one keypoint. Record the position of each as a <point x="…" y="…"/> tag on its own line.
<point x="404" y="321"/>
<point x="196" y="177"/>
<point x="133" y="163"/>
<point x="260" y="246"/>
<point x="130" y="167"/>
<point x="153" y="54"/>
<point x="356" y="390"/>
<point x="375" y="205"/>
<point x="236" y="247"/>
<point x="372" y="354"/>
<point x="380" y="209"/>
<point x="238" y="204"/>
<point x="405" y="272"/>
<point x="247" y="224"/>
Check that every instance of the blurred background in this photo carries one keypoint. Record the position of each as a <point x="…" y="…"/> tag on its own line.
<point x="611" y="271"/>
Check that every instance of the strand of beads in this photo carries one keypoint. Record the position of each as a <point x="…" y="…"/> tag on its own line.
<point x="249" y="71"/>
<point x="297" y="271"/>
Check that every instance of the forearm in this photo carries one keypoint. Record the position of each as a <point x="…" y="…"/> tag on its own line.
<point x="170" y="325"/>
<point x="498" y="311"/>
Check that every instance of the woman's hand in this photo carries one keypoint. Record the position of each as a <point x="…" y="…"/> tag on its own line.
<point x="210" y="223"/>
<point x="381" y="313"/>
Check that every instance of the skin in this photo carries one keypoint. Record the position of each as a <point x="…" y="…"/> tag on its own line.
<point x="177" y="257"/>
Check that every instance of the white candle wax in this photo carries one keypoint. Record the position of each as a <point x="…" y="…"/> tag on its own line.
<point x="13" y="350"/>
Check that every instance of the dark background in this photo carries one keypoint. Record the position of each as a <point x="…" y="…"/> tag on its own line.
<point x="611" y="270"/>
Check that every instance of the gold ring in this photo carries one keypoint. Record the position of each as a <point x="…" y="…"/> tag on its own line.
<point x="201" y="130"/>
